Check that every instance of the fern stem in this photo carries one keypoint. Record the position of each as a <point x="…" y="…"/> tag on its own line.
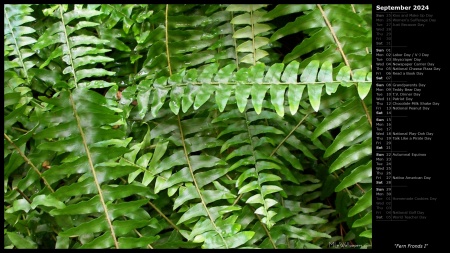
<point x="287" y="136"/>
<point x="164" y="217"/>
<point x="334" y="37"/>
<point x="139" y="234"/>
<point x="253" y="38"/>
<point x="285" y="222"/>
<point x="342" y="54"/>
<point x="28" y="161"/>
<point x="36" y="103"/>
<point x="28" y="229"/>
<point x="254" y="158"/>
<point x="20" y="129"/>
<point x="23" y="194"/>
<point x="167" y="39"/>
<point x="265" y="229"/>
<point x="94" y="174"/>
<point x="354" y="11"/>
<point x="68" y="47"/>
<point x="342" y="231"/>
<point x="337" y="177"/>
<point x="186" y="154"/>
<point x="155" y="207"/>
<point x="145" y="169"/>
<point x="237" y="199"/>
<point x="235" y="45"/>
<point x="348" y="191"/>
<point x="262" y="83"/>
<point x="362" y="190"/>
<point x="367" y="112"/>
<point x="275" y="150"/>
<point x="364" y="105"/>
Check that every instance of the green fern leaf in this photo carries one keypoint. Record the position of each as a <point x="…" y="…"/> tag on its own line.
<point x="352" y="155"/>
<point x="366" y="220"/>
<point x="348" y="135"/>
<point x="338" y="117"/>
<point x="364" y="202"/>
<point x="357" y="175"/>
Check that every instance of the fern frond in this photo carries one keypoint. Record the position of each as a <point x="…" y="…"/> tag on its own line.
<point x="247" y="158"/>
<point x="350" y="153"/>
<point x="83" y="138"/>
<point x="191" y="179"/>
<point x="17" y="39"/>
<point x="335" y="33"/>
<point x="19" y="63"/>
<point x="194" y="88"/>
<point x="179" y="40"/>
<point x="250" y="35"/>
<point x="70" y="47"/>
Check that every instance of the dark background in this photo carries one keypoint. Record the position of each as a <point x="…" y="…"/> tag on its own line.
<point x="426" y="233"/>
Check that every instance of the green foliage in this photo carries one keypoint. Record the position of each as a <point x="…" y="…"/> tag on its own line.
<point x="187" y="126"/>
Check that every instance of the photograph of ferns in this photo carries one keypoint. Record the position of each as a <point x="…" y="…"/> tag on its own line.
<point x="183" y="126"/>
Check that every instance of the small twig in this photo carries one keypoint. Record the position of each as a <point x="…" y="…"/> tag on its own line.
<point x="165" y="217"/>
<point x="23" y="195"/>
<point x="287" y="136"/>
<point x="28" y="161"/>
